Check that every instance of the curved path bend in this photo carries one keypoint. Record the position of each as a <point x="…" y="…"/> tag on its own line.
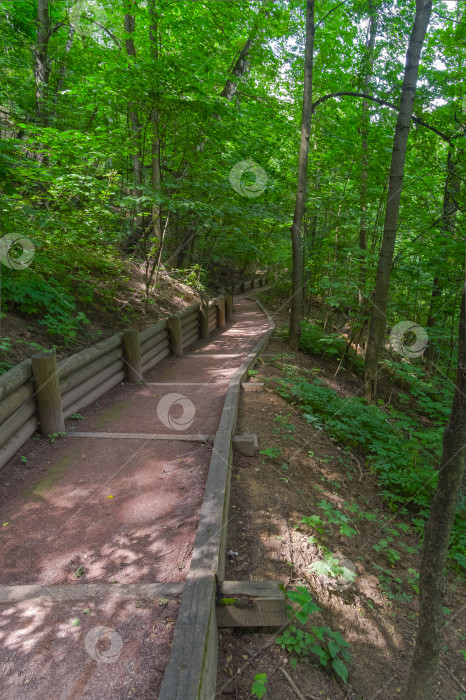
<point x="98" y="527"/>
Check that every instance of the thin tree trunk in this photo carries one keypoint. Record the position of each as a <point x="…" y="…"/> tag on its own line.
<point x="450" y="195"/>
<point x="155" y="163"/>
<point x="130" y="26"/>
<point x="395" y="186"/>
<point x="297" y="279"/>
<point x="437" y="534"/>
<point x="41" y="63"/>
<point x="363" y="196"/>
<point x="61" y="72"/>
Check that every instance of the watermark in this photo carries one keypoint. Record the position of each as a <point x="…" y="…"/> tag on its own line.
<point x="86" y="13"/>
<point x="420" y="339"/>
<point x="168" y="408"/>
<point x="103" y="644"/>
<point x="337" y="573"/>
<point x="16" y="251"/>
<point x="245" y="188"/>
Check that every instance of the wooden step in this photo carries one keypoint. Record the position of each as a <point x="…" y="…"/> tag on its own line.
<point x="251" y="604"/>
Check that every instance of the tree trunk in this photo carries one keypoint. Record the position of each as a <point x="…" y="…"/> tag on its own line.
<point x="437" y="534"/>
<point x="395" y="185"/>
<point x="450" y="195"/>
<point x="297" y="280"/>
<point x="41" y="63"/>
<point x="369" y="62"/>
<point x="130" y="26"/>
<point x="155" y="163"/>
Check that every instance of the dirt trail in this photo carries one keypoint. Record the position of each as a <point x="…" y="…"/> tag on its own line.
<point x="114" y="502"/>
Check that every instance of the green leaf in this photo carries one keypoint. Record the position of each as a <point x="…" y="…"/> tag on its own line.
<point x="340" y="668"/>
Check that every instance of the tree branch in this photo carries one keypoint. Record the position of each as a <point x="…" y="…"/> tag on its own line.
<point x="329" y="13"/>
<point x="416" y="120"/>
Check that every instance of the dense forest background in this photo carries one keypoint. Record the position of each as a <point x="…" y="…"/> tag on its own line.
<point x="121" y="125"/>
<point x="147" y="144"/>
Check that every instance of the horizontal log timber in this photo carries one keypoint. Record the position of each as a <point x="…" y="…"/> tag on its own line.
<point x="81" y="375"/>
<point x="194" y="330"/>
<point x="251" y="604"/>
<point x="14" y="378"/>
<point x="193" y="322"/>
<point x="92" y="383"/>
<point x="83" y="358"/>
<point x="186" y="320"/>
<point x="194" y="308"/>
<point x="212" y="325"/>
<point x="154" y="341"/>
<point x="190" y="339"/>
<point x="155" y="360"/>
<point x="16" y="420"/>
<point x="15" y="400"/>
<point x="17" y="440"/>
<point x="153" y="330"/>
<point x="156" y="350"/>
<point x="96" y="393"/>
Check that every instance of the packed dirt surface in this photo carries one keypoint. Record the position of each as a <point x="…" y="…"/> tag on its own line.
<point x="118" y="504"/>
<point x="298" y="469"/>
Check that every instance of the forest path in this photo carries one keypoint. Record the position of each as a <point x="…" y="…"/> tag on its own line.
<point x="101" y="525"/>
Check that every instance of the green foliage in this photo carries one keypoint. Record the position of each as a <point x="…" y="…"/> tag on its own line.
<point x="53" y="436"/>
<point x="316" y="342"/>
<point x="271" y="452"/>
<point x="327" y="645"/>
<point x="402" y="453"/>
<point x="258" y="689"/>
<point x="336" y="517"/>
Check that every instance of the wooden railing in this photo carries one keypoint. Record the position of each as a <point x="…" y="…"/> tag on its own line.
<point x="41" y="393"/>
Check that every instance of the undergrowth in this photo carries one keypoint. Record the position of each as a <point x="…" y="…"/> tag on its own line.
<point x="398" y="447"/>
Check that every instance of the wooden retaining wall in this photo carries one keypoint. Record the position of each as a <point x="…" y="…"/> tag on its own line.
<point x="39" y="392"/>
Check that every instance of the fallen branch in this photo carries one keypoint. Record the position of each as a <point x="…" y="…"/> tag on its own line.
<point x="293" y="685"/>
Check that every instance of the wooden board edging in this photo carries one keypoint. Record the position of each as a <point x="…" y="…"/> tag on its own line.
<point x="191" y="672"/>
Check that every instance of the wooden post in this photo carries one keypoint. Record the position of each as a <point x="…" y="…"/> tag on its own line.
<point x="228" y="307"/>
<point x="174" y="326"/>
<point x="48" y="397"/>
<point x="242" y="286"/>
<point x="132" y="356"/>
<point x="221" y="312"/>
<point x="204" y="312"/>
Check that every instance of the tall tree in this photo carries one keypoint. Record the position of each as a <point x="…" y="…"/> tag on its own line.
<point x="297" y="280"/>
<point x="395" y="185"/>
<point x="41" y="62"/>
<point x="437" y="534"/>
<point x="368" y="68"/>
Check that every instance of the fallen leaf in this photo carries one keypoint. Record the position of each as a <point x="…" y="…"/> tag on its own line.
<point x="5" y="524"/>
<point x="162" y="601"/>
<point x="87" y="611"/>
<point x="109" y="496"/>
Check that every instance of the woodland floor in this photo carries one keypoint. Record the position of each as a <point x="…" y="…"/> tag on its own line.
<point x="377" y="614"/>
